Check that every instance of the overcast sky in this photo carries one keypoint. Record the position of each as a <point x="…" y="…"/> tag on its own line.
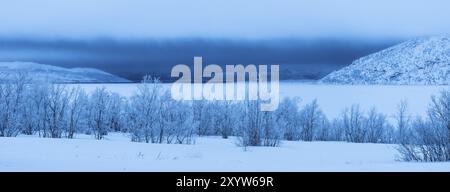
<point x="224" y="19"/>
<point x="132" y="38"/>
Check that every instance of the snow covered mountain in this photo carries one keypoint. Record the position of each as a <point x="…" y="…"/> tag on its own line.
<point x="421" y="61"/>
<point x="41" y="72"/>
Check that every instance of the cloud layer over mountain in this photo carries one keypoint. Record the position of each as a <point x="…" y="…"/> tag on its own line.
<point x="134" y="58"/>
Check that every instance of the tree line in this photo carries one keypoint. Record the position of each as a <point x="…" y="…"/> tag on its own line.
<point x="152" y="116"/>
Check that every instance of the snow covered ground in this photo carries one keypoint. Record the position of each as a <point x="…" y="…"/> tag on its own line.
<point x="333" y="99"/>
<point x="117" y="153"/>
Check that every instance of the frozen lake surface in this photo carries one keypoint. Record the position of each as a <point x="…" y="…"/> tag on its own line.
<point x="333" y="99"/>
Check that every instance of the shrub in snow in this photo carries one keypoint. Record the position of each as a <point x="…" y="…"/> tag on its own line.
<point x="272" y="133"/>
<point x="56" y="111"/>
<point x="76" y="110"/>
<point x="325" y="132"/>
<point x="153" y="117"/>
<point x="259" y="128"/>
<point x="336" y="130"/>
<point x="352" y="122"/>
<point x="178" y="122"/>
<point x="216" y="117"/>
<point x="98" y="112"/>
<point x="311" y="119"/>
<point x="230" y="113"/>
<point x="115" y="112"/>
<point x="209" y="117"/>
<point x="287" y="117"/>
<point x="12" y="105"/>
<point x="356" y="126"/>
<point x="376" y="125"/>
<point x="429" y="140"/>
<point x="403" y="122"/>
<point x="145" y="112"/>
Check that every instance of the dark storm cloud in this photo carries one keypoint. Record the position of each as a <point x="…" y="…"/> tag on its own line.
<point x="134" y="58"/>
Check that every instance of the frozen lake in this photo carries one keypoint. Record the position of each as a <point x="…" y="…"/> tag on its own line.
<point x="333" y="99"/>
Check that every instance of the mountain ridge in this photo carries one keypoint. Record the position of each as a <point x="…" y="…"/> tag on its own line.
<point x="420" y="61"/>
<point x="50" y="73"/>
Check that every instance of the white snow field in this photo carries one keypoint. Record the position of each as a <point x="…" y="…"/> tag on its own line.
<point x="333" y="99"/>
<point x="117" y="153"/>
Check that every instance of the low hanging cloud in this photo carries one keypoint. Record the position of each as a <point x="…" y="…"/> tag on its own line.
<point x="134" y="58"/>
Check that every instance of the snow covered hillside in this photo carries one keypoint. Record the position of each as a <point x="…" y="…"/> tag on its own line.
<point x="41" y="72"/>
<point x="421" y="61"/>
<point x="117" y="153"/>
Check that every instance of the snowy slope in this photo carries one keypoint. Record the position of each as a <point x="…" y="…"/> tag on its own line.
<point x="41" y="72"/>
<point x="421" y="61"/>
<point x="117" y="153"/>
